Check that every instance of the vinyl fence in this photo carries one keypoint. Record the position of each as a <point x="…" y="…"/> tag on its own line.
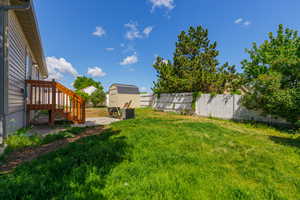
<point x="229" y="107"/>
<point x="146" y="100"/>
<point x="176" y="102"/>
<point x="218" y="106"/>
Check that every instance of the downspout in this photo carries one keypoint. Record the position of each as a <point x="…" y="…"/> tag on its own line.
<point x="4" y="64"/>
<point x="25" y="90"/>
<point x="3" y="73"/>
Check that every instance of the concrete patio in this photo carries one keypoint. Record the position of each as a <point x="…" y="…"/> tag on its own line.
<point x="44" y="129"/>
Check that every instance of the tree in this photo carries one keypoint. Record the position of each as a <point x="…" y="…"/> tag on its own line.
<point x="194" y="67"/>
<point x="82" y="82"/>
<point x="272" y="75"/>
<point x="84" y="95"/>
<point x="98" y="97"/>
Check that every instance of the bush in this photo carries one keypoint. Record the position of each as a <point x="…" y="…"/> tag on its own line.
<point x="273" y="76"/>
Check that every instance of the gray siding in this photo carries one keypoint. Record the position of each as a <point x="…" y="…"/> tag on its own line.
<point x="18" y="51"/>
<point x="16" y="66"/>
<point x="15" y="121"/>
<point x="2" y="75"/>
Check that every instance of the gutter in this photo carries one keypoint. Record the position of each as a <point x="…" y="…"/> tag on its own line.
<point x="25" y="6"/>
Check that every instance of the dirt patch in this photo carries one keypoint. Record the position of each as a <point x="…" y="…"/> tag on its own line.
<point x="17" y="158"/>
<point x="96" y="112"/>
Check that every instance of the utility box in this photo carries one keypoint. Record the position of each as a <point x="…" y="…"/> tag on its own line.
<point x="128" y="113"/>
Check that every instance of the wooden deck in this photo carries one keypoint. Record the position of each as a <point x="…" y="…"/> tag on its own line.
<point x="57" y="99"/>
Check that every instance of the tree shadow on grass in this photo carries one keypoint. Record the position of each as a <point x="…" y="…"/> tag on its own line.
<point x="77" y="171"/>
<point x="286" y="141"/>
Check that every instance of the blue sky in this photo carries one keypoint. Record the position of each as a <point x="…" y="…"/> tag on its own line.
<point x="117" y="40"/>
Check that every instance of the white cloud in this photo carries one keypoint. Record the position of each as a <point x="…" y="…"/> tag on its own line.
<point x="242" y="22"/>
<point x="247" y="23"/>
<point x="55" y="75"/>
<point x="147" y="31"/>
<point x="128" y="48"/>
<point x="238" y="21"/>
<point x="133" y="31"/>
<point x="99" y="31"/>
<point x="165" y="61"/>
<point x="110" y="49"/>
<point x="57" y="67"/>
<point x="130" y="60"/>
<point x="96" y="72"/>
<point x="169" y="4"/>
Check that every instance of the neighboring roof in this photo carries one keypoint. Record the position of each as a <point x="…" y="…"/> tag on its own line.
<point x="89" y="90"/>
<point x="29" y="24"/>
<point x="126" y="89"/>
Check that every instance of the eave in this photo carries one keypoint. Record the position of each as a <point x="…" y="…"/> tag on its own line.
<point x="29" y="25"/>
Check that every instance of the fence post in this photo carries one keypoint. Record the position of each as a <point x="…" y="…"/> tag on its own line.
<point x="233" y="107"/>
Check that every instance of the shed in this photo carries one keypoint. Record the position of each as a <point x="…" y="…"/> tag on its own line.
<point x="120" y="94"/>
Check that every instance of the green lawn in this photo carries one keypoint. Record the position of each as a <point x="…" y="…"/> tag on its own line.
<point x="165" y="156"/>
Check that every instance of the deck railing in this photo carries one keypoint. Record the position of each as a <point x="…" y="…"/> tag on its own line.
<point x="56" y="98"/>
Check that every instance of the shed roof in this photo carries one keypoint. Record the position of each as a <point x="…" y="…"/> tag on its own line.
<point x="29" y="24"/>
<point x="126" y="89"/>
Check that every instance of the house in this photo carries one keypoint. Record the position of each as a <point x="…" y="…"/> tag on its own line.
<point x="21" y="58"/>
<point x="120" y="94"/>
<point x="89" y="90"/>
<point x="23" y="90"/>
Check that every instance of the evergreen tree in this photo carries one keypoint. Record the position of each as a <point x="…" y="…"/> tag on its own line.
<point x="194" y="67"/>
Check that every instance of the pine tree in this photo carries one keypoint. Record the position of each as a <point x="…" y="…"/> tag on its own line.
<point x="194" y="67"/>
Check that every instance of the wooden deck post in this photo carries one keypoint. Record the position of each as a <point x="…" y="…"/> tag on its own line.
<point x="28" y="118"/>
<point x="50" y="117"/>
<point x="53" y="108"/>
<point x="83" y="112"/>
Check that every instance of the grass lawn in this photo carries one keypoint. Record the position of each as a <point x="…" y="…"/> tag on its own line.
<point x="165" y="156"/>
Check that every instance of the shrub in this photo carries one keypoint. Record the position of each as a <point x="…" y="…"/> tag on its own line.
<point x="273" y="76"/>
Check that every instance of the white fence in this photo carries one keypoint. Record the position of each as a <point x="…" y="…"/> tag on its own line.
<point x="229" y="107"/>
<point x="218" y="106"/>
<point x="173" y="102"/>
<point x="146" y="100"/>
